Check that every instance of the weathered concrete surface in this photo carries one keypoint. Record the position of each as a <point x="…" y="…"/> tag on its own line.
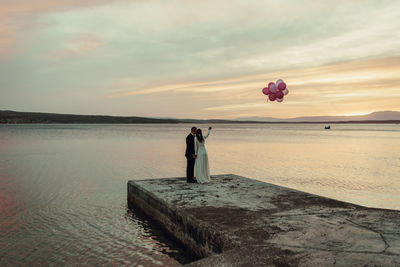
<point x="236" y="221"/>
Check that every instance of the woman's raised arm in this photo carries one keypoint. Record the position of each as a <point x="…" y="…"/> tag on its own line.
<point x="208" y="133"/>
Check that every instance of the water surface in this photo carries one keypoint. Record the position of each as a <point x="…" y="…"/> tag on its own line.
<point x="63" y="187"/>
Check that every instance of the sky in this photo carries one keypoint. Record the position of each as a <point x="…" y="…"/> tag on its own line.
<point x="199" y="59"/>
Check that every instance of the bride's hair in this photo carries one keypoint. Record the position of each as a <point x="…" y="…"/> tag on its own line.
<point x="199" y="135"/>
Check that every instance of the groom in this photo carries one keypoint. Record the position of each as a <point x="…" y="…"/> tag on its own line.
<point x="190" y="156"/>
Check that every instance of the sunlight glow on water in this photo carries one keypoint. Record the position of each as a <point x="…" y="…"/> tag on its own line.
<point x="63" y="187"/>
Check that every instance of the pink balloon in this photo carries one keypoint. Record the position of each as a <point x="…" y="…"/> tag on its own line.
<point x="271" y="83"/>
<point x="279" y="100"/>
<point x="265" y="91"/>
<point x="286" y="91"/>
<point x="272" y="88"/>
<point x="272" y="96"/>
<point x="278" y="82"/>
<point x="279" y="94"/>
<point x="282" y="86"/>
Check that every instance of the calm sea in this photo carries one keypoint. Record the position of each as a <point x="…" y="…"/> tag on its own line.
<point x="63" y="187"/>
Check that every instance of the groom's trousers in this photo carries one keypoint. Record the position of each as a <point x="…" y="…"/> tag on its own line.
<point x="190" y="169"/>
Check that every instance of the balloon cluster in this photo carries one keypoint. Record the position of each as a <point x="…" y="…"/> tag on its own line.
<point x="276" y="91"/>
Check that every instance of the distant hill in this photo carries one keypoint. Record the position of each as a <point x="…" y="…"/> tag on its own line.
<point x="8" y="116"/>
<point x="375" y="116"/>
<point x="260" y="119"/>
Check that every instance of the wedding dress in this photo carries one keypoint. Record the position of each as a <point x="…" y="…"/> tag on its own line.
<point x="201" y="165"/>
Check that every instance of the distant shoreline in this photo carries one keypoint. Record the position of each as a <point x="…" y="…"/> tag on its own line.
<point x="14" y="117"/>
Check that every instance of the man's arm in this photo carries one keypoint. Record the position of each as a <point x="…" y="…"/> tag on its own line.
<point x="195" y="148"/>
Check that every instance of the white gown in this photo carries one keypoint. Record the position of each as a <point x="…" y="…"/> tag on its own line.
<point x="201" y="163"/>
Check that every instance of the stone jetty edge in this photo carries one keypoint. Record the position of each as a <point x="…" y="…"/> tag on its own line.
<point x="198" y="237"/>
<point x="219" y="242"/>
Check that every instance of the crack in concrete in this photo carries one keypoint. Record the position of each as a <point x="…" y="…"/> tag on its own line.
<point x="387" y="245"/>
<point x="306" y="214"/>
<point x="331" y="250"/>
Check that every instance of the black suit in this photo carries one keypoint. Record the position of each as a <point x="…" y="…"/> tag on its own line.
<point x="189" y="156"/>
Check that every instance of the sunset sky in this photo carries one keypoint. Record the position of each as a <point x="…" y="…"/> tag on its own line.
<point x="199" y="59"/>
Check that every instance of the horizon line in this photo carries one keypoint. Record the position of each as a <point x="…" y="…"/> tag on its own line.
<point x="238" y="119"/>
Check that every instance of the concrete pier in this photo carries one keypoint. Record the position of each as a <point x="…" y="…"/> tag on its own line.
<point x="236" y="221"/>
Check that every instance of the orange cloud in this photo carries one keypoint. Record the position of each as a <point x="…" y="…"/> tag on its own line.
<point x="83" y="44"/>
<point x="343" y="88"/>
<point x="88" y="45"/>
<point x="358" y="75"/>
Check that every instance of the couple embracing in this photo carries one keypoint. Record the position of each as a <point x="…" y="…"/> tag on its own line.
<point x="197" y="158"/>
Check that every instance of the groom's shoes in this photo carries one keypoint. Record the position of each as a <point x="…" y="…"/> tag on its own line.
<point x="192" y="181"/>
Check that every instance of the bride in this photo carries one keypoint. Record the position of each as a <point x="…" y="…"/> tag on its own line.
<point x="201" y="165"/>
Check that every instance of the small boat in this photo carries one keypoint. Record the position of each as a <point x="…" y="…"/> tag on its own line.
<point x="327" y="127"/>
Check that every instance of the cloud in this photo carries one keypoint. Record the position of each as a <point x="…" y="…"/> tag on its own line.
<point x="369" y="72"/>
<point x="329" y="88"/>
<point x="237" y="107"/>
<point x="19" y="15"/>
<point x="194" y="44"/>
<point x="208" y="86"/>
<point x="80" y="45"/>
